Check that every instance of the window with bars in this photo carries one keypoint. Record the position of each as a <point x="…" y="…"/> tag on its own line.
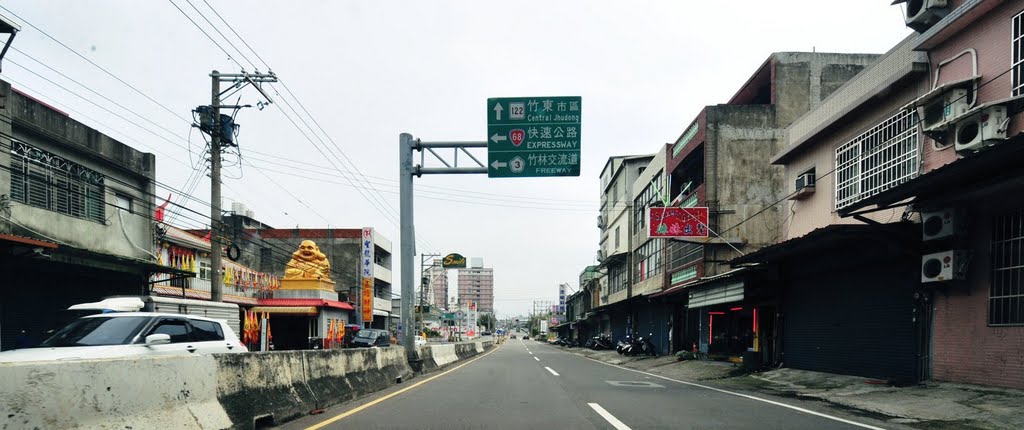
<point x="1017" y="62"/>
<point x="1006" y="294"/>
<point x="877" y="160"/>
<point x="643" y="201"/>
<point x="45" y="180"/>
<point x="648" y="260"/>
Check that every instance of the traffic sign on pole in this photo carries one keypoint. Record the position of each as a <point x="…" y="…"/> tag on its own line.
<point x="533" y="136"/>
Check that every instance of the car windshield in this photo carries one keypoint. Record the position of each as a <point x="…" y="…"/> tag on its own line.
<point x="97" y="331"/>
<point x="367" y="333"/>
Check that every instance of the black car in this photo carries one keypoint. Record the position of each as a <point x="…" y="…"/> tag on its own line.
<point x="369" y="337"/>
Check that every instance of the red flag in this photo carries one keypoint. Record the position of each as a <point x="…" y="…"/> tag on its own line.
<point x="159" y="215"/>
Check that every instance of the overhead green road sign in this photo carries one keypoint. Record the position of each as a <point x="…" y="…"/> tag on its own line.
<point x="533" y="136"/>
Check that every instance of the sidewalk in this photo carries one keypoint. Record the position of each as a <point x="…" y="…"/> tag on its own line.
<point x="931" y="405"/>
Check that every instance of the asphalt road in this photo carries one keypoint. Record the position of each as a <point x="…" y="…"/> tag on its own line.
<point x="525" y="384"/>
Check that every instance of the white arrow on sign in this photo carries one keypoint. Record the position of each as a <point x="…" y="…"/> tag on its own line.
<point x="498" y="164"/>
<point x="499" y="138"/>
<point x="497" y="111"/>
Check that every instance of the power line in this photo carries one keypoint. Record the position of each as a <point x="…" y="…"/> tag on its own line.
<point x="394" y="183"/>
<point x="232" y="59"/>
<point x="133" y="88"/>
<point x="376" y="193"/>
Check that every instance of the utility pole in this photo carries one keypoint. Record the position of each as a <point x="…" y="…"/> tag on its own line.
<point x="213" y="124"/>
<point x="424" y="285"/>
<point x="216" y="248"/>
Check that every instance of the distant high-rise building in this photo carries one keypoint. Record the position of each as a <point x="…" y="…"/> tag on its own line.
<point x="438" y="280"/>
<point x="476" y="284"/>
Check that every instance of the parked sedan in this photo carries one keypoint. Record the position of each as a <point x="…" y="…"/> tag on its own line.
<point x="128" y="334"/>
<point x="370" y="337"/>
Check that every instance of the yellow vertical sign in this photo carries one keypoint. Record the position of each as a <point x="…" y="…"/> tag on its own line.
<point x="367" y="299"/>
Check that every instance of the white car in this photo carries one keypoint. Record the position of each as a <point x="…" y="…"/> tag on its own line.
<point x="128" y="334"/>
<point x="420" y="341"/>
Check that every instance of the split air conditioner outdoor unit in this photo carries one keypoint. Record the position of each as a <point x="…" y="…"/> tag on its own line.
<point x="600" y="255"/>
<point x="986" y="127"/>
<point x="942" y="224"/>
<point x="600" y="221"/>
<point x="945" y="108"/>
<point x="944" y="266"/>
<point x="922" y="14"/>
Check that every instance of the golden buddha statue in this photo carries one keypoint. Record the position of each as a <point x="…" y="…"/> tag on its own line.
<point x="308" y="263"/>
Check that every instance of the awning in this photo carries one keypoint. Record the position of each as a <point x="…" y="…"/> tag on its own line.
<point x="169" y="291"/>
<point x="614" y="258"/>
<point x="27" y="241"/>
<point x="287" y="310"/>
<point x="962" y="180"/>
<point x="704" y="281"/>
<point x="306" y="302"/>
<point x="831" y="237"/>
<point x="380" y="313"/>
<point x="714" y="295"/>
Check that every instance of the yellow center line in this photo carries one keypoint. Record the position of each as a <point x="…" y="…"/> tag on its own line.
<point x="346" y="414"/>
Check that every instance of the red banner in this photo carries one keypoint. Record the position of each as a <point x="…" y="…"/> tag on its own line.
<point x="673" y="222"/>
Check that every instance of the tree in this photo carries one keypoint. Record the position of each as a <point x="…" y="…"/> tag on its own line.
<point x="488" y="321"/>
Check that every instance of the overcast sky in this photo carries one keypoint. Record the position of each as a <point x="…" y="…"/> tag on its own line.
<point x="370" y="70"/>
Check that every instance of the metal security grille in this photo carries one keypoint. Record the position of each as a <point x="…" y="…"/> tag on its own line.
<point x="1017" y="62"/>
<point x="1006" y="295"/>
<point x="47" y="181"/>
<point x="877" y="160"/>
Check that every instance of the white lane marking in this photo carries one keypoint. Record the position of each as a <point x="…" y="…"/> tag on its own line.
<point x="747" y="396"/>
<point x="608" y="417"/>
<point x="549" y="369"/>
<point x="535" y="358"/>
<point x="529" y="351"/>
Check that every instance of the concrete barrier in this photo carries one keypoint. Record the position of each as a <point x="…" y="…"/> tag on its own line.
<point x="168" y="392"/>
<point x="279" y="386"/>
<point x="204" y="391"/>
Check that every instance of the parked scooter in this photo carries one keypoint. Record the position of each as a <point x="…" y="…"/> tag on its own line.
<point x="601" y="342"/>
<point x="647" y="347"/>
<point x="624" y="345"/>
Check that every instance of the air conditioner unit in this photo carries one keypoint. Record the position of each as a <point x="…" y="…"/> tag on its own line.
<point x="986" y="127"/>
<point x="942" y="224"/>
<point x="922" y="14"/>
<point x="805" y="180"/>
<point x="600" y="255"/>
<point x="600" y="221"/>
<point x="803" y="186"/>
<point x="947" y="107"/>
<point x="944" y="266"/>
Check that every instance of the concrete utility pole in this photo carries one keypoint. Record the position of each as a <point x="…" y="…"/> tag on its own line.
<point x="216" y="247"/>
<point x="215" y="124"/>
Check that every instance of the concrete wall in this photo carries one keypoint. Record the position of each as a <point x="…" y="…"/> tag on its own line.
<point x="804" y="79"/>
<point x="740" y="179"/>
<point x="290" y="384"/>
<point x="171" y="392"/>
<point x="126" y="171"/>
